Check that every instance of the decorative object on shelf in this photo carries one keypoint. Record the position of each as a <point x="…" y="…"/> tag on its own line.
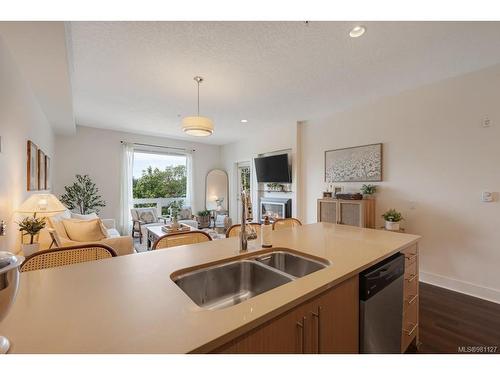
<point x="392" y="219"/>
<point x="354" y="164"/>
<point x="274" y="186"/>
<point x="83" y="195"/>
<point x="204" y="218"/>
<point x="32" y="166"/>
<point x="349" y="196"/>
<point x="327" y="194"/>
<point x="198" y="126"/>
<point x="368" y="190"/>
<point x="31" y="226"/>
<point x="9" y="275"/>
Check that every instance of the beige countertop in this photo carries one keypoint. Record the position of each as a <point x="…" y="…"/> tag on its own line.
<point x="129" y="304"/>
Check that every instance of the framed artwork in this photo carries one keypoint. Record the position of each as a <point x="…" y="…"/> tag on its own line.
<point x="32" y="166"/>
<point x="41" y="170"/>
<point x="354" y="164"/>
<point x="47" y="172"/>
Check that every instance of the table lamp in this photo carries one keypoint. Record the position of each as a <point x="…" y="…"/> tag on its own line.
<point x="41" y="204"/>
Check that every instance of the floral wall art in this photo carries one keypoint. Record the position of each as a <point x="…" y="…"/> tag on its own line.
<point x="354" y="164"/>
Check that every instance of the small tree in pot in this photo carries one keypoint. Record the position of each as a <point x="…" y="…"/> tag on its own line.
<point x="83" y="196"/>
<point x="204" y="218"/>
<point x="31" y="226"/>
<point x="392" y="219"/>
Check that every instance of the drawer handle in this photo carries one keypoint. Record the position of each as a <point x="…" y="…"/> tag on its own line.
<point x="410" y="257"/>
<point x="411" y="278"/>
<point x="409" y="332"/>
<point x="412" y="299"/>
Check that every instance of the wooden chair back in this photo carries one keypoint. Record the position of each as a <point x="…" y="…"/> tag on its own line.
<point x="177" y="239"/>
<point x="289" y="222"/>
<point x="64" y="256"/>
<point x="234" y="230"/>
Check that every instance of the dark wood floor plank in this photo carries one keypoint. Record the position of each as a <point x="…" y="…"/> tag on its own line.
<point x="449" y="320"/>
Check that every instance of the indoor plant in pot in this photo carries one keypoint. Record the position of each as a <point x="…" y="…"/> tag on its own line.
<point x="392" y="219"/>
<point x="175" y="208"/>
<point x="204" y="218"/>
<point x="368" y="190"/>
<point x="31" y="226"/>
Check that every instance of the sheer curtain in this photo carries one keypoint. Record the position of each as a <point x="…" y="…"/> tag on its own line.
<point x="190" y="201"/>
<point x="126" y="187"/>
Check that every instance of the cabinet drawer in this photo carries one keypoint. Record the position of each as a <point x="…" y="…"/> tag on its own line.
<point x="412" y="249"/>
<point x="410" y="324"/>
<point x="410" y="259"/>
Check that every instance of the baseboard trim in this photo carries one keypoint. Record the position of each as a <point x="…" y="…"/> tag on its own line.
<point x="470" y="289"/>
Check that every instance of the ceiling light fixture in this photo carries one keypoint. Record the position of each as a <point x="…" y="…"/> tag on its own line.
<point x="244" y="121"/>
<point x="198" y="126"/>
<point x="357" y="31"/>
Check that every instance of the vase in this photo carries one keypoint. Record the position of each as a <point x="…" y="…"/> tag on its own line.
<point x="392" y="225"/>
<point x="175" y="223"/>
<point x="29" y="249"/>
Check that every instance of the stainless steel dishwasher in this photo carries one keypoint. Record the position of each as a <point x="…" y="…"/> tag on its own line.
<point x="381" y="306"/>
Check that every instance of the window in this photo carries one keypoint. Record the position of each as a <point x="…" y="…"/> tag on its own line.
<point x="159" y="179"/>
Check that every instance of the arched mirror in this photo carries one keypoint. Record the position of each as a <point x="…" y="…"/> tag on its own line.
<point x="216" y="196"/>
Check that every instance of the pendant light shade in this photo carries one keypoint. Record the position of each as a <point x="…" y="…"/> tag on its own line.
<point x="198" y="126"/>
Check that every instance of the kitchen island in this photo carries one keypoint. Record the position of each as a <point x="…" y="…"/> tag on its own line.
<point x="130" y="304"/>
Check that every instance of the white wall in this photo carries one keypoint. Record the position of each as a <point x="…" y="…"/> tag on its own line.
<point x="21" y="119"/>
<point x="269" y="140"/>
<point x="97" y="152"/>
<point x="437" y="160"/>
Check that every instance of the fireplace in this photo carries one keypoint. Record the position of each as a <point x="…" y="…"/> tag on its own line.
<point x="275" y="208"/>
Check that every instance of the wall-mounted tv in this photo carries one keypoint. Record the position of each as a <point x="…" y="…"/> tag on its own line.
<point x="273" y="169"/>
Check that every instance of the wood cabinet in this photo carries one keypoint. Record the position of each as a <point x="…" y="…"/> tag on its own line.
<point x="410" y="332"/>
<point x="360" y="213"/>
<point x="328" y="323"/>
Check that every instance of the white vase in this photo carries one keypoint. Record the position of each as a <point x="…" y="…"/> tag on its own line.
<point x="391" y="225"/>
<point x="29" y="249"/>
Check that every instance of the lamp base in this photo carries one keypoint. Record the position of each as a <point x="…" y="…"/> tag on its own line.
<point x="4" y="345"/>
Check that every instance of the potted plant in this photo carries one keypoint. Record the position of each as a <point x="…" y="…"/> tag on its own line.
<point x="368" y="190"/>
<point x="392" y="219"/>
<point x="83" y="196"/>
<point x="175" y="207"/>
<point x="204" y="218"/>
<point x="31" y="226"/>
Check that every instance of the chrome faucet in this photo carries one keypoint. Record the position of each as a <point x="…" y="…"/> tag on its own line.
<point x="243" y="229"/>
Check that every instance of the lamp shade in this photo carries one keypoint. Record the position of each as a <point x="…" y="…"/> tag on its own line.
<point x="41" y="203"/>
<point x="198" y="126"/>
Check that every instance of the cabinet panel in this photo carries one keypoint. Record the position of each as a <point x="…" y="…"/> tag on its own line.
<point x="350" y="213"/>
<point x="327" y="211"/>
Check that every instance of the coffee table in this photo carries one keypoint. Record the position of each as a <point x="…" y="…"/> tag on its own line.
<point x="155" y="232"/>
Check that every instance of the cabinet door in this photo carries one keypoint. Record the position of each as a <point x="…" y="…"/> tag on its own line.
<point x="351" y="213"/>
<point x="327" y="211"/>
<point x="336" y="319"/>
<point x="289" y="333"/>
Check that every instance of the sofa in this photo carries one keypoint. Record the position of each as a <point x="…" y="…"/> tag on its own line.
<point x="58" y="227"/>
<point x="143" y="218"/>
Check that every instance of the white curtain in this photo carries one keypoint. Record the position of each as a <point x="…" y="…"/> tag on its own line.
<point x="126" y="187"/>
<point x="190" y="201"/>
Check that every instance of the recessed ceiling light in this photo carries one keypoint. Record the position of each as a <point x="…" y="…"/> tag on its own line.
<point x="244" y="121"/>
<point x="357" y="31"/>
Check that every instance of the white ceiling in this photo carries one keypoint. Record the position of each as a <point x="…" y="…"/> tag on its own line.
<point x="138" y="76"/>
<point x="39" y="49"/>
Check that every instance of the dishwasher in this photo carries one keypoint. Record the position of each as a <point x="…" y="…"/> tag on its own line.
<point x="381" y="306"/>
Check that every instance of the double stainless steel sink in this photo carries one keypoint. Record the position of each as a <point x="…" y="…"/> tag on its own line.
<point x="227" y="284"/>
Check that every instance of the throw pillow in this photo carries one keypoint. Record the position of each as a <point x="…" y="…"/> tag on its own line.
<point x="185" y="214"/>
<point x="91" y="216"/>
<point x="85" y="230"/>
<point x="56" y="222"/>
<point x="147" y="216"/>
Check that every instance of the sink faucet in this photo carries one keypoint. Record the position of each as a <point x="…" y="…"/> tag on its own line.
<point x="243" y="229"/>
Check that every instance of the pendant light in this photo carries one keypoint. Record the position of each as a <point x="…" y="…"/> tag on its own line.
<point x="198" y="126"/>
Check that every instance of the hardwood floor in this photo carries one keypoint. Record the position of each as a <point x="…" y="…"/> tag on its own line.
<point x="452" y="322"/>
